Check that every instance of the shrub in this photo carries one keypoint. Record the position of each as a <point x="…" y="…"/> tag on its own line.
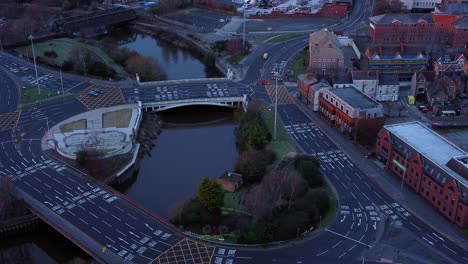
<point x="310" y="170"/>
<point x="253" y="134"/>
<point x="50" y="54"/>
<point x="210" y="194"/>
<point x="252" y="164"/>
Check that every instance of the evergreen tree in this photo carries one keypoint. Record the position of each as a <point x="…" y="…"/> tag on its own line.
<point x="210" y="194"/>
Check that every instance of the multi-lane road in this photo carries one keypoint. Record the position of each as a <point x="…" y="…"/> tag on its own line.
<point x="113" y="229"/>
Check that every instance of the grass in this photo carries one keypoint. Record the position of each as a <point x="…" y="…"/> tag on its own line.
<point x="118" y="119"/>
<point x="233" y="200"/>
<point x="54" y="100"/>
<point x="63" y="47"/>
<point x="236" y="58"/>
<point x="30" y="94"/>
<point x="298" y="64"/>
<point x="76" y="125"/>
<point x="284" y="37"/>
<point x="283" y="144"/>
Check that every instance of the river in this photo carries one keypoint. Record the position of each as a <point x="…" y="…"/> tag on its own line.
<point x="177" y="63"/>
<point x="184" y="153"/>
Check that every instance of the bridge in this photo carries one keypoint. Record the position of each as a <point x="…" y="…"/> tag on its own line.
<point x="231" y="102"/>
<point x="95" y="19"/>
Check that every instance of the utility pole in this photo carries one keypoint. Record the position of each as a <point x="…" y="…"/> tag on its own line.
<point x="243" y="37"/>
<point x="35" y="66"/>
<point x="48" y="130"/>
<point x="61" y="81"/>
<point x="276" y="105"/>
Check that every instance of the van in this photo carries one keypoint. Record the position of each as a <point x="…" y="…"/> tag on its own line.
<point x="449" y="113"/>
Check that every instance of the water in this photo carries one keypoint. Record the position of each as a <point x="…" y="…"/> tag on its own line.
<point x="183" y="155"/>
<point x="198" y="142"/>
<point x="177" y="63"/>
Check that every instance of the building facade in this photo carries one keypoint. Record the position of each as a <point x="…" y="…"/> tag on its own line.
<point x="325" y="54"/>
<point x="410" y="28"/>
<point x="309" y="89"/>
<point x="349" y="110"/>
<point x="387" y="88"/>
<point x="451" y="22"/>
<point x="420" y="5"/>
<point x="437" y="171"/>
<point x="365" y="82"/>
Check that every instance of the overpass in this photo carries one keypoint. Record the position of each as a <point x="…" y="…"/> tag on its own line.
<point x="231" y="102"/>
<point x="94" y="19"/>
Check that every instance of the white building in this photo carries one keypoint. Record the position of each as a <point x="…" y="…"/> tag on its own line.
<point x="420" y="4"/>
<point x="387" y="88"/>
<point x="366" y="82"/>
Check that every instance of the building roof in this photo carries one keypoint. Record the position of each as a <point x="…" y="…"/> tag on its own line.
<point x="404" y="18"/>
<point x="452" y="9"/>
<point x="355" y="98"/>
<point x="231" y="177"/>
<point x="324" y="43"/>
<point x="396" y="52"/>
<point x="307" y="79"/>
<point x="429" y="144"/>
<point x="363" y="75"/>
<point x="388" y="79"/>
<point x="461" y="23"/>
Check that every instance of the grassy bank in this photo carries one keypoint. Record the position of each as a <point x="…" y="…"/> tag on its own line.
<point x="300" y="64"/>
<point x="30" y="94"/>
<point x="63" y="48"/>
<point x="283" y="144"/>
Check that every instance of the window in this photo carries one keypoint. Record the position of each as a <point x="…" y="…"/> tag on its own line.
<point x="314" y="60"/>
<point x="452" y="202"/>
<point x="422" y="189"/>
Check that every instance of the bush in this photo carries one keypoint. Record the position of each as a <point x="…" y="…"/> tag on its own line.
<point x="252" y="164"/>
<point x="210" y="194"/>
<point x="316" y="202"/>
<point x="253" y="134"/>
<point x="262" y="232"/>
<point x="192" y="212"/>
<point x="310" y="170"/>
<point x="50" y="54"/>
<point x="286" y="226"/>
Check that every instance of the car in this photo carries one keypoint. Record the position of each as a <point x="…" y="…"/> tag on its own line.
<point x="273" y="77"/>
<point x="426" y="110"/>
<point x="97" y="90"/>
<point x="265" y="82"/>
<point x="93" y="93"/>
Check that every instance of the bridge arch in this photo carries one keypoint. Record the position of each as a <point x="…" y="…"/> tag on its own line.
<point x="231" y="102"/>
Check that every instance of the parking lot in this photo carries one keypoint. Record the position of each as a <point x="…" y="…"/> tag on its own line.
<point x="8" y="120"/>
<point x="98" y="96"/>
<point x="205" y="20"/>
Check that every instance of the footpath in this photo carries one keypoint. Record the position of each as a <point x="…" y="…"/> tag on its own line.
<point x="388" y="182"/>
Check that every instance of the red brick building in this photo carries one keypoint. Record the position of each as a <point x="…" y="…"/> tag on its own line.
<point x="309" y="89"/>
<point x="430" y="165"/>
<point x="351" y="112"/>
<point x="451" y="24"/>
<point x="395" y="29"/>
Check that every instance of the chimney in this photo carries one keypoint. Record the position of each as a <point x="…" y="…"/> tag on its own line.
<point x="330" y="45"/>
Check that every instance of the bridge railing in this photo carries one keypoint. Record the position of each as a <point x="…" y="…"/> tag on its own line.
<point x="197" y="80"/>
<point x="208" y="100"/>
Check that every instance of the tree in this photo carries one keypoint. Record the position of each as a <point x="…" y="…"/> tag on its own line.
<point x="310" y="170"/>
<point x="253" y="134"/>
<point x="252" y="164"/>
<point x="210" y="194"/>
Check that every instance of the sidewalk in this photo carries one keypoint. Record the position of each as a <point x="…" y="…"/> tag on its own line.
<point x="414" y="203"/>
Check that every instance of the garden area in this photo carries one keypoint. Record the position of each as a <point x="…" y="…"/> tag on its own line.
<point x="283" y="194"/>
<point x="300" y="64"/>
<point x="233" y="50"/>
<point x="72" y="55"/>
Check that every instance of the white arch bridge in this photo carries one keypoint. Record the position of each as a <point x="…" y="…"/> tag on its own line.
<point x="232" y="102"/>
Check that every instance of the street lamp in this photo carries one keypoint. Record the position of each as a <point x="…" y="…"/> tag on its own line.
<point x="243" y="37"/>
<point x="48" y="130"/>
<point x="61" y="81"/>
<point x="35" y="66"/>
<point x="276" y="104"/>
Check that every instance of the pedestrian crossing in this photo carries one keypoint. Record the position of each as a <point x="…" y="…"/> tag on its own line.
<point x="283" y="94"/>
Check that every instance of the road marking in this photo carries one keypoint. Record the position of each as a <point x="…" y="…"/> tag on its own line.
<point x="111" y="239"/>
<point x="367" y="185"/>
<point x="338" y="234"/>
<point x="37" y="190"/>
<point x="352" y="248"/>
<point x="366" y="228"/>
<point x="144" y="257"/>
<point x="319" y="254"/>
<point x="162" y="242"/>
<point x="120" y="232"/>
<point x="366" y="196"/>
<point x="103" y="209"/>
<point x="337" y="244"/>
<point x="116" y="218"/>
<point x="378" y="195"/>
<point x="352" y="194"/>
<point x="96" y="229"/>
<point x="134" y="218"/>
<point x="356" y="186"/>
<point x="415" y="226"/>
<point x="361" y="238"/>
<point x="71" y="213"/>
<point x="130" y="226"/>
<point x="427" y="240"/>
<point x="438" y="236"/>
<point x="82" y="220"/>
<point x="93" y="215"/>
<point x="344" y="185"/>
<point x="342" y="255"/>
<point x="449" y="249"/>
<point x="118" y="208"/>
<point x="107" y="224"/>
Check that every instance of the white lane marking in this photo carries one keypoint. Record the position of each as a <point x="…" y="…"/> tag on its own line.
<point x="37" y="190"/>
<point x="366" y="196"/>
<point x="367" y="185"/>
<point x="356" y="186"/>
<point x="344" y="185"/>
<point x="82" y="220"/>
<point x="342" y="255"/>
<point x="321" y="253"/>
<point x="352" y="194"/>
<point x="103" y="209"/>
<point x="71" y="213"/>
<point x="110" y="239"/>
<point x="417" y="227"/>
<point x="352" y="225"/>
<point x="449" y="249"/>
<point x="438" y="236"/>
<point x="93" y="215"/>
<point x="118" y="208"/>
<point x="366" y="228"/>
<point x="167" y="244"/>
<point x="134" y="218"/>
<point x="337" y="244"/>
<point x="130" y="226"/>
<point x="361" y="238"/>
<point x="116" y="217"/>
<point x="352" y="248"/>
<point x="107" y="224"/>
<point x="96" y="229"/>
<point x="427" y="240"/>
<point x="338" y="234"/>
<point x="378" y="195"/>
<point x="144" y="257"/>
<point x="118" y="231"/>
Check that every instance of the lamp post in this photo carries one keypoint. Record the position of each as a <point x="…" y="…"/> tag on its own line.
<point x="276" y="104"/>
<point x="243" y="35"/>
<point x="35" y="66"/>
<point x="61" y="82"/>
<point x="48" y="130"/>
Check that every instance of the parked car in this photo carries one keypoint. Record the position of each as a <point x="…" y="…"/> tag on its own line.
<point x="265" y="82"/>
<point x="93" y="93"/>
